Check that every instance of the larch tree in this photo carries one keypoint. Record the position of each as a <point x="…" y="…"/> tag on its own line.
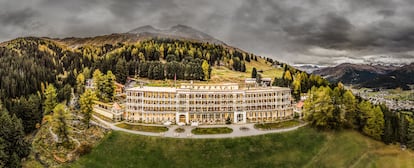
<point x="108" y="87"/>
<point x="205" y="66"/>
<point x="98" y="82"/>
<point x="60" y="124"/>
<point x="375" y="123"/>
<point x="50" y="99"/>
<point x="348" y="109"/>
<point x="319" y="108"/>
<point x="80" y="84"/>
<point x="86" y="102"/>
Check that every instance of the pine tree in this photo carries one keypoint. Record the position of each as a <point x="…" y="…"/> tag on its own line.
<point x="254" y="73"/>
<point x="410" y="134"/>
<point x="297" y="87"/>
<point x="50" y="99"/>
<point x="247" y="58"/>
<point x="86" y="102"/>
<point x="3" y="156"/>
<point x="13" y="144"/>
<point x="121" y="71"/>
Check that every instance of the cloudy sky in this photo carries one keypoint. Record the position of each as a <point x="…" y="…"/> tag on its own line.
<point x="294" y="31"/>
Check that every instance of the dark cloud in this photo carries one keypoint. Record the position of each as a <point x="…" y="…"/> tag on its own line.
<point x="329" y="31"/>
<point x="21" y="17"/>
<point x="313" y="31"/>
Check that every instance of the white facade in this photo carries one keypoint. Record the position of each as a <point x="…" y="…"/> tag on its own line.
<point x="207" y="104"/>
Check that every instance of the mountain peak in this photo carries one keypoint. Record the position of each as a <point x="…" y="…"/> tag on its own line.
<point x="143" y="29"/>
<point x="178" y="26"/>
<point x="178" y="31"/>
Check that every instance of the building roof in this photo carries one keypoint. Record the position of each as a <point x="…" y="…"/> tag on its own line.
<point x="300" y="104"/>
<point x="118" y="84"/>
<point x="153" y="89"/>
<point x="116" y="106"/>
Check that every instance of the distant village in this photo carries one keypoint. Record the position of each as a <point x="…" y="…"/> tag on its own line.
<point x="378" y="96"/>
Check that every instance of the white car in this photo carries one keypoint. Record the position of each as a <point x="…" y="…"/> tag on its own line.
<point x="168" y="123"/>
<point x="181" y="124"/>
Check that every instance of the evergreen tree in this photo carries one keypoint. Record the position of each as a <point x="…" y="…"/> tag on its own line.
<point x="50" y="99"/>
<point x="64" y="93"/>
<point x="247" y="58"/>
<point x="121" y="71"/>
<point x="3" y="156"/>
<point x="403" y="130"/>
<point x="410" y="134"/>
<point x="86" y="102"/>
<point x="14" y="146"/>
<point x="254" y="72"/>
<point x="297" y="89"/>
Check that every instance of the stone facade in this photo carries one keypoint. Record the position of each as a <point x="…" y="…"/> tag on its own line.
<point x="207" y="104"/>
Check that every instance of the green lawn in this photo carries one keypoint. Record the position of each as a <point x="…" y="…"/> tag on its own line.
<point x="304" y="147"/>
<point x="216" y="130"/>
<point x="143" y="128"/>
<point x="274" y="150"/>
<point x="277" y="125"/>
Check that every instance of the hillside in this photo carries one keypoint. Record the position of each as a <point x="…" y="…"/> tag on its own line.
<point x="177" y="32"/>
<point x="372" y="76"/>
<point x="44" y="59"/>
<point x="302" y="148"/>
<point x="401" y="77"/>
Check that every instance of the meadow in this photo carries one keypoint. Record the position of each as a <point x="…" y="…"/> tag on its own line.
<point x="305" y="147"/>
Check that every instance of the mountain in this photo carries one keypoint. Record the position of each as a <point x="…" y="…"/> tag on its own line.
<point x="177" y="32"/>
<point x="309" y="68"/>
<point x="372" y="76"/>
<point x="401" y="77"/>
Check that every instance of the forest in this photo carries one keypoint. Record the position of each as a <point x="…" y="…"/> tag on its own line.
<point x="34" y="71"/>
<point x="329" y="106"/>
<point x="39" y="75"/>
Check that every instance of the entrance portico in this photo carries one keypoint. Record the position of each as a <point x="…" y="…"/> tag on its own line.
<point x="182" y="117"/>
<point x="239" y="117"/>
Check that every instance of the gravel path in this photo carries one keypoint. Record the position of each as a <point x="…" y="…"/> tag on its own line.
<point x="237" y="132"/>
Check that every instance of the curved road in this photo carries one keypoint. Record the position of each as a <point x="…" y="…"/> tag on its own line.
<point x="187" y="133"/>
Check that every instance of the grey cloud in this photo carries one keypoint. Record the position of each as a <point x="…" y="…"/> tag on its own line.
<point x="20" y="17"/>
<point x="282" y="29"/>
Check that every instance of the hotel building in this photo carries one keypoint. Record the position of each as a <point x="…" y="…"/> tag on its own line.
<point x="207" y="104"/>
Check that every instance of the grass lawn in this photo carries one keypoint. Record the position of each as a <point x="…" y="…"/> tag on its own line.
<point x="119" y="149"/>
<point x="222" y="74"/>
<point x="142" y="128"/>
<point x="282" y="124"/>
<point x="216" y="130"/>
<point x="304" y="147"/>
